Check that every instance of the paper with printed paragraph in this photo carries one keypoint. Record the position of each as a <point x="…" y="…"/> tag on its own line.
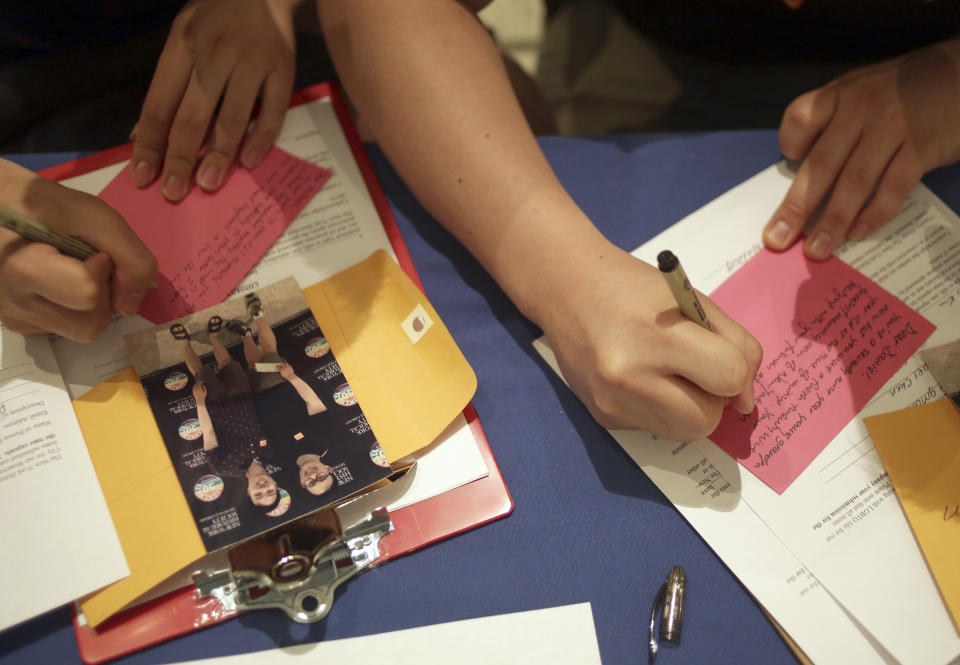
<point x="208" y="242"/>
<point x="831" y="339"/>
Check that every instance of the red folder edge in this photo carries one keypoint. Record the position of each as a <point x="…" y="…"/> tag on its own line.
<point x="415" y="526"/>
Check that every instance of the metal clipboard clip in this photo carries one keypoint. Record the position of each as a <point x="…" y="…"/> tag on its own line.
<point x="298" y="568"/>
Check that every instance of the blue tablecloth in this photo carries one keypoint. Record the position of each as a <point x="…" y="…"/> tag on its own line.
<point x="588" y="525"/>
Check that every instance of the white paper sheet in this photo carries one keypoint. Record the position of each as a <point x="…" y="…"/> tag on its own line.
<point x="862" y="560"/>
<point x="58" y="540"/>
<point x="556" y="636"/>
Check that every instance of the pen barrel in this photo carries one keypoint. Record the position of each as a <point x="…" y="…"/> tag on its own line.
<point x="683" y="292"/>
<point x="671" y="619"/>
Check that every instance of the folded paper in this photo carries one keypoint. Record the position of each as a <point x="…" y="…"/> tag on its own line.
<point x="409" y="392"/>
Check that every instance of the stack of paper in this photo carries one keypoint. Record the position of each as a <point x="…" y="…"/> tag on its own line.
<point x="823" y="544"/>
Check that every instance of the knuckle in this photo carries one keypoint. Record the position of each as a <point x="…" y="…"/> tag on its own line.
<point x="612" y="369"/>
<point x="190" y="122"/>
<point x="179" y="162"/>
<point x="824" y="158"/>
<point x="833" y="220"/>
<point x="220" y="153"/>
<point x="737" y="372"/>
<point x="859" y="177"/>
<point x="231" y="122"/>
<point x="754" y="353"/>
<point x="87" y="329"/>
<point x="898" y="186"/>
<point x="150" y="130"/>
<point x="86" y="295"/>
<point x="793" y="207"/>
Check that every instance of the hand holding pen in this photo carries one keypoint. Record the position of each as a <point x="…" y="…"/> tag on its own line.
<point x="630" y="354"/>
<point x="45" y="289"/>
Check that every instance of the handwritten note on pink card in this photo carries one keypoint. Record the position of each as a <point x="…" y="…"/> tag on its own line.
<point x="208" y="242"/>
<point x="831" y="338"/>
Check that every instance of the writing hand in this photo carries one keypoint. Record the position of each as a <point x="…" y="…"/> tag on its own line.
<point x="224" y="52"/>
<point x="42" y="290"/>
<point x="865" y="140"/>
<point x="637" y="362"/>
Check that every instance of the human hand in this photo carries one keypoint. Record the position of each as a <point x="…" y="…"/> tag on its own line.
<point x="200" y="393"/>
<point x="865" y="140"/>
<point x="42" y="290"/>
<point x="637" y="362"/>
<point x="286" y="371"/>
<point x="229" y="50"/>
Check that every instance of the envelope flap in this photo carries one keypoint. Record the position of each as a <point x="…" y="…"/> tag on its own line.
<point x="401" y="362"/>
<point x="143" y="494"/>
<point x="121" y="434"/>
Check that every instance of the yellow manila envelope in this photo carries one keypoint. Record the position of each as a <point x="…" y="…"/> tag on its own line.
<point x="409" y="390"/>
<point x="408" y="374"/>
<point x="920" y="447"/>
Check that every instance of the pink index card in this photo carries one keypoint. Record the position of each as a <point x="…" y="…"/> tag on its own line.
<point x="831" y="339"/>
<point x="208" y="242"/>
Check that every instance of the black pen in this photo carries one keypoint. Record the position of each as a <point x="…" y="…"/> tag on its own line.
<point x="685" y="295"/>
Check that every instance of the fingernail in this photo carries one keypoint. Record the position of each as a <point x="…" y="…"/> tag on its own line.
<point x="819" y="247"/>
<point x="253" y="154"/>
<point x="174" y="187"/>
<point x="143" y="173"/>
<point x="210" y="176"/>
<point x="859" y="232"/>
<point x="779" y="234"/>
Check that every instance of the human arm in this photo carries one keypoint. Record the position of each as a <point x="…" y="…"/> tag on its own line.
<point x="430" y="85"/>
<point x="42" y="290"/>
<point x="866" y="139"/>
<point x="237" y="49"/>
<point x="313" y="403"/>
<point x="203" y="416"/>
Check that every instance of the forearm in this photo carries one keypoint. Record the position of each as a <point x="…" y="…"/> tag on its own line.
<point x="430" y="84"/>
<point x="303" y="389"/>
<point x="206" y="427"/>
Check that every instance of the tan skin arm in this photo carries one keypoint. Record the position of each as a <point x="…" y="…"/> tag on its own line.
<point x="203" y="415"/>
<point x="429" y="83"/>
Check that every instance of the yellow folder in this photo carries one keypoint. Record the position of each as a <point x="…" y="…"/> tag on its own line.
<point x="920" y="448"/>
<point x="408" y="374"/>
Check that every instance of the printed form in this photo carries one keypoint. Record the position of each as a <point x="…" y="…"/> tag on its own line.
<point x="59" y="539"/>
<point x="832" y="558"/>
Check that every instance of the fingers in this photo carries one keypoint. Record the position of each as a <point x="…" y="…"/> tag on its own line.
<point x="276" y="97"/>
<point x="747" y="356"/>
<point x="133" y="266"/>
<point x="55" y="293"/>
<point x="804" y="119"/>
<point x="813" y="182"/>
<point x="159" y="108"/>
<point x="190" y="125"/>
<point x="901" y="176"/>
<point x="865" y="141"/>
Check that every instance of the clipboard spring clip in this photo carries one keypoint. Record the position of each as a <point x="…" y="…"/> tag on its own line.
<point x="298" y="568"/>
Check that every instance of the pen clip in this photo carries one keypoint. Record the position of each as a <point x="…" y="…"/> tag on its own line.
<point x="671" y="597"/>
<point x="653" y="646"/>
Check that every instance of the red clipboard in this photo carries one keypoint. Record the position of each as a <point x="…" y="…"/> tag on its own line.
<point x="420" y="524"/>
